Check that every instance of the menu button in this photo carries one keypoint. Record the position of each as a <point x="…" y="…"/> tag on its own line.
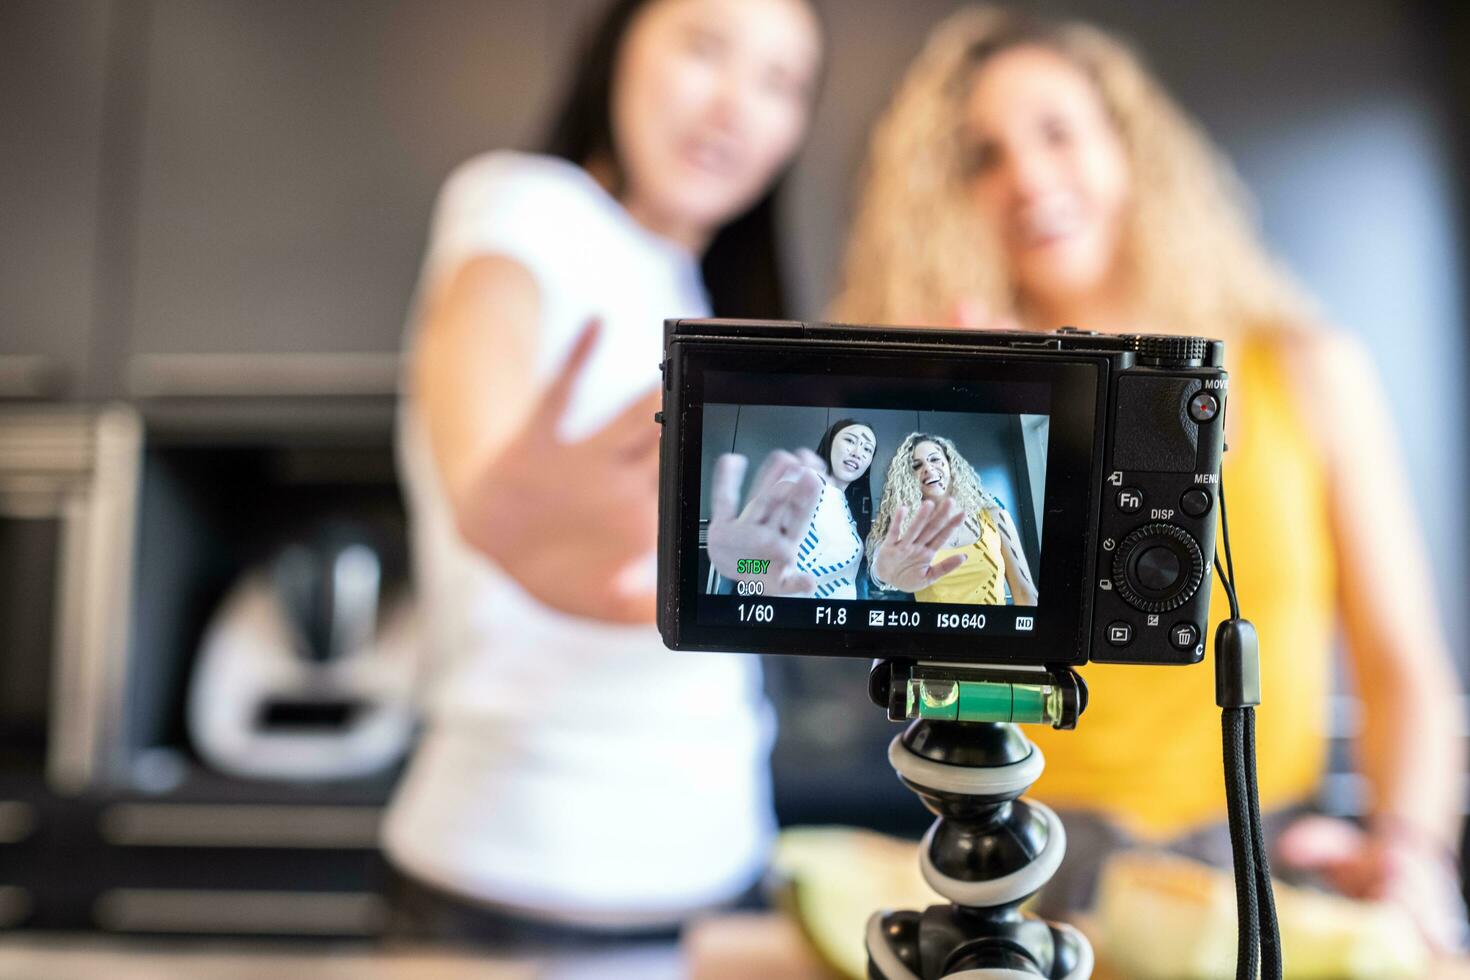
<point x="1196" y="502"/>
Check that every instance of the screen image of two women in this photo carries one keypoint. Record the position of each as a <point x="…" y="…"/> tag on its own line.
<point x="938" y="533"/>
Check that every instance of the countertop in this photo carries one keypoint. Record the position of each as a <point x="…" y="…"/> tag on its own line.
<point x="728" y="948"/>
<point x="740" y="947"/>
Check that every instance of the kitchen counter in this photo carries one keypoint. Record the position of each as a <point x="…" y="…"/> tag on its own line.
<point x="738" y="947"/>
<point x="728" y="948"/>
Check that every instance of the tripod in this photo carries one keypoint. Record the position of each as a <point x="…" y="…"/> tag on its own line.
<point x="987" y="852"/>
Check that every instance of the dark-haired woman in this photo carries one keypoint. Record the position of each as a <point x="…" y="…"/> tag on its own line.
<point x="832" y="550"/>
<point x="574" y="776"/>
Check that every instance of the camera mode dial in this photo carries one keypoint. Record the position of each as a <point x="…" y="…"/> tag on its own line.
<point x="1158" y="568"/>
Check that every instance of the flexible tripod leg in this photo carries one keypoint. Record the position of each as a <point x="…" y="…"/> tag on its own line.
<point x="987" y="852"/>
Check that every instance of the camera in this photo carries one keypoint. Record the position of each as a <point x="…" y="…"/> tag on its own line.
<point x="1085" y="468"/>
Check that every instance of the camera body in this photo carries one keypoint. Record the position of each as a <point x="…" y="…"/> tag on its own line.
<point x="1095" y="458"/>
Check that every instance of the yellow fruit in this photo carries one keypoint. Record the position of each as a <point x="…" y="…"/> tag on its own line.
<point x="833" y="878"/>
<point x="1161" y="916"/>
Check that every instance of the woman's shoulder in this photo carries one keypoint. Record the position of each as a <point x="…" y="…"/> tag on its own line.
<point x="497" y="168"/>
<point x="509" y="177"/>
<point x="1310" y="351"/>
<point x="1292" y="365"/>
<point x="522" y="206"/>
<point x="991" y="507"/>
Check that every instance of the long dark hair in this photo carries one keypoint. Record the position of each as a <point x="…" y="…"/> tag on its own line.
<point x="859" y="491"/>
<point x="742" y="265"/>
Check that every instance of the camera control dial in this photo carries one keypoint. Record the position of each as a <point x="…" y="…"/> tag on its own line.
<point x="1168" y="350"/>
<point x="1157" y="568"/>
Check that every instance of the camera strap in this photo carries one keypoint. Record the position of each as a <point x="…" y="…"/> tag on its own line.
<point x="1237" y="692"/>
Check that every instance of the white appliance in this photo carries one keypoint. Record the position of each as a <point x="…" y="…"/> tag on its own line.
<point x="306" y="670"/>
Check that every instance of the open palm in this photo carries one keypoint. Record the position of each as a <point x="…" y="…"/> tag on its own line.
<point x="772" y="524"/>
<point x="905" y="556"/>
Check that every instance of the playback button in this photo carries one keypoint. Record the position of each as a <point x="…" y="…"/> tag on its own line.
<point x="1120" y="634"/>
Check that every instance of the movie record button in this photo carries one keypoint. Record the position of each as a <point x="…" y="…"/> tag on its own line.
<point x="1120" y="634"/>
<point x="1184" y="636"/>
<point x="1130" y="500"/>
<point x="1203" y="407"/>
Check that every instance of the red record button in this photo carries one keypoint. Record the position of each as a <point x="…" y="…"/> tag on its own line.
<point x="1203" y="407"/>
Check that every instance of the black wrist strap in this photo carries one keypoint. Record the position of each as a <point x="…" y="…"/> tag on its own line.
<point x="1271" y="966"/>
<point x="1237" y="692"/>
<point x="1242" y="844"/>
<point x="1255" y="903"/>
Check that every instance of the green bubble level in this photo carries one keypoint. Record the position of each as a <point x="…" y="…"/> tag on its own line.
<point x="945" y="699"/>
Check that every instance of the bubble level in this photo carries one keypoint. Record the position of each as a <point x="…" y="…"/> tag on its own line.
<point x="945" y="699"/>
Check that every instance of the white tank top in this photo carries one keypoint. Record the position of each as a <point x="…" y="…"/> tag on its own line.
<point x="831" y="550"/>
<point x="570" y="769"/>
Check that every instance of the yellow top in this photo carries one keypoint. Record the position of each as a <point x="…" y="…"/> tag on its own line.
<point x="1147" y="751"/>
<point x="980" y="580"/>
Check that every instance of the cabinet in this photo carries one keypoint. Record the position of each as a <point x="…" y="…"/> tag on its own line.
<point x="290" y="155"/>
<point x="53" y="62"/>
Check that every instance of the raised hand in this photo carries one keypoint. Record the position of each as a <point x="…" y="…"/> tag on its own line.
<point x="904" y="556"/>
<point x="783" y="499"/>
<point x="572" y="520"/>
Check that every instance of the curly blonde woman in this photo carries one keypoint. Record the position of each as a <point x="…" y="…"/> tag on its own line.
<point x="930" y="468"/>
<point x="1033" y="174"/>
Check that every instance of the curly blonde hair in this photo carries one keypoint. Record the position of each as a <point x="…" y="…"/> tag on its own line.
<point x="917" y="250"/>
<point x="901" y="486"/>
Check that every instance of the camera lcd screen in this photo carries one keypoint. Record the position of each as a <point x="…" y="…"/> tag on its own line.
<point x="878" y="466"/>
<point x="1009" y="440"/>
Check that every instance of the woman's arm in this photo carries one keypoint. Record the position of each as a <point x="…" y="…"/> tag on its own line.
<point x="472" y="368"/>
<point x="568" y="520"/>
<point x="1018" y="572"/>
<point x="1411" y="748"/>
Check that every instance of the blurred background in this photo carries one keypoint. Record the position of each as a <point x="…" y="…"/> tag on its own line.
<point x="212" y="214"/>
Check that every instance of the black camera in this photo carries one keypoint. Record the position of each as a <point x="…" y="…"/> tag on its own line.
<point x="1086" y="466"/>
